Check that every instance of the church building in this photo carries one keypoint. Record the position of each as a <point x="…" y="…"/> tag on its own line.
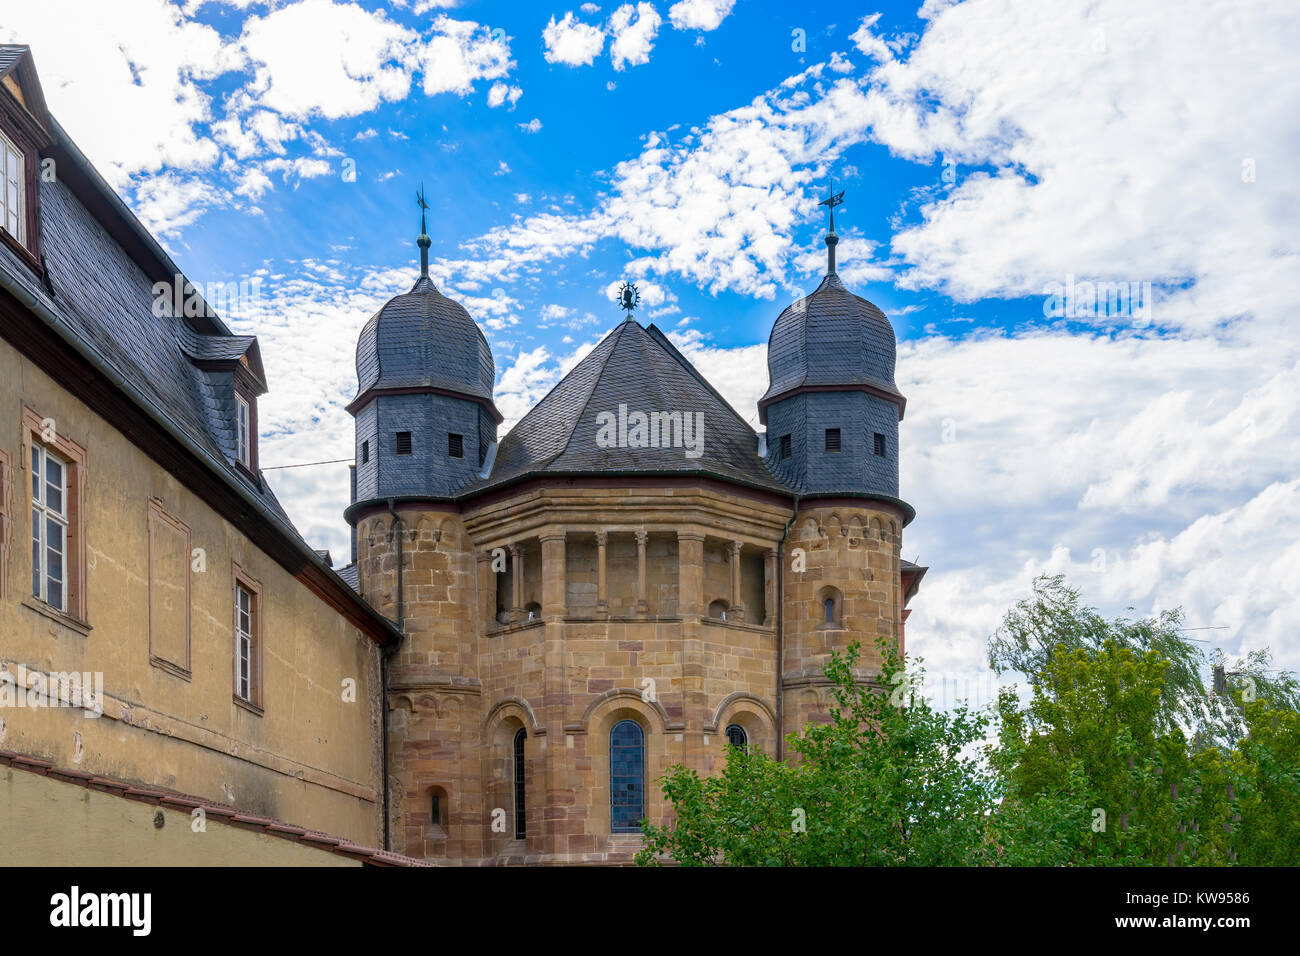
<point x="630" y="578"/>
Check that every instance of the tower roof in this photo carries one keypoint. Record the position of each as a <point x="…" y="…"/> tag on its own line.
<point x="424" y="339"/>
<point x="639" y="369"/>
<point x="831" y="338"/>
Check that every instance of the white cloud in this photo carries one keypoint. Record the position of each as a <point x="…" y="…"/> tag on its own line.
<point x="501" y="92"/>
<point x="460" y="53"/>
<point x="572" y="42"/>
<point x="633" y="29"/>
<point x="699" y="14"/>
<point x="355" y="60"/>
<point x="532" y="126"/>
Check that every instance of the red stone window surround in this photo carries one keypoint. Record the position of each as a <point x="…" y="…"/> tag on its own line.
<point x="247" y="628"/>
<point x="41" y="435"/>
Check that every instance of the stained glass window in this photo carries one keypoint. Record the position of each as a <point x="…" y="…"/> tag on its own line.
<point x="626" y="777"/>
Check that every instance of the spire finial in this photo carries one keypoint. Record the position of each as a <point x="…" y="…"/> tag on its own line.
<point x="832" y="240"/>
<point x="628" y="299"/>
<point x="423" y="241"/>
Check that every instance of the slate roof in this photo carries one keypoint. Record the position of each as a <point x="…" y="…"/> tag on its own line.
<point x="423" y="338"/>
<point x="102" y="296"/>
<point x="638" y="368"/>
<point x="831" y="337"/>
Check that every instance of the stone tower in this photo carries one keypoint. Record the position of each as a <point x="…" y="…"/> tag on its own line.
<point x="832" y="412"/>
<point x="426" y="427"/>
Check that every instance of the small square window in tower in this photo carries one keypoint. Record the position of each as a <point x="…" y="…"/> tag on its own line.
<point x="365" y="452"/>
<point x="455" y="446"/>
<point x="785" y="447"/>
<point x="403" y="443"/>
<point x="832" y="439"/>
<point x="880" y="444"/>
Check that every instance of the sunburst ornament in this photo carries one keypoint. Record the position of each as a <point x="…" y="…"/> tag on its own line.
<point x="628" y="299"/>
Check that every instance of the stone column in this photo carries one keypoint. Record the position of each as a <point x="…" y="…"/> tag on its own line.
<point x="554" y="598"/>
<point x="642" y="605"/>
<point x="487" y="591"/>
<point x="517" y="574"/>
<point x="690" y="574"/>
<point x="769" y="587"/>
<point x="737" y="610"/>
<point x="602" y="592"/>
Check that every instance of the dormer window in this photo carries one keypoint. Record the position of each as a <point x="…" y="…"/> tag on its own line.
<point x="12" y="212"/>
<point x="243" y="443"/>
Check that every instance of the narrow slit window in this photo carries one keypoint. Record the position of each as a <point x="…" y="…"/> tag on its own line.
<point x="403" y="443"/>
<point x="521" y="815"/>
<point x="365" y="452"/>
<point x="832" y="439"/>
<point x="456" y="446"/>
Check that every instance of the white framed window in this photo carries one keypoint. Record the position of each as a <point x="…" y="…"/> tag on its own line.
<point x="242" y="445"/>
<point x="12" y="217"/>
<point x="244" y="610"/>
<point x="49" y="527"/>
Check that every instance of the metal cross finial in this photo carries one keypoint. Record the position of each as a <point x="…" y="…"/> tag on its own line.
<point x="833" y="200"/>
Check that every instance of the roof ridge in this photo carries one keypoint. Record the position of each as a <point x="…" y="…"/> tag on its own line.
<point x="576" y="418"/>
<point x="662" y="341"/>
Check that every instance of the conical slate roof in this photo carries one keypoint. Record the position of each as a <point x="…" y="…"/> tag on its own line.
<point x="423" y="338"/>
<point x="831" y="337"/>
<point x="640" y="370"/>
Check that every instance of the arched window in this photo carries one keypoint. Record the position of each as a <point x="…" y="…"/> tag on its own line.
<point x="626" y="777"/>
<point x="521" y="826"/>
<point x="718" y="610"/>
<point x="830" y="607"/>
<point x="736" y="736"/>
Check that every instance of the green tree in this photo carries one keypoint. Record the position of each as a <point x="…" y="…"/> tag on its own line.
<point x="889" y="781"/>
<point x="1090" y="777"/>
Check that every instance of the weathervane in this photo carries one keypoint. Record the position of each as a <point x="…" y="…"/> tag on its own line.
<point x="628" y="299"/>
<point x="423" y="240"/>
<point x="831" y="201"/>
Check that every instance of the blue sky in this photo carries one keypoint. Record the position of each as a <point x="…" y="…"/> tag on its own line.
<point x="992" y="151"/>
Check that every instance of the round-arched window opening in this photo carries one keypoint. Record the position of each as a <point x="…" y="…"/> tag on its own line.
<point x="521" y="816"/>
<point x="737" y="737"/>
<point x="626" y="777"/>
<point x="830" y="608"/>
<point x="718" y="610"/>
<point x="534" y="611"/>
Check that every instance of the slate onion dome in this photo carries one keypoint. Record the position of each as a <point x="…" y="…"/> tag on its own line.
<point x="832" y="407"/>
<point x="423" y="338"/>
<point x="425" y="419"/>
